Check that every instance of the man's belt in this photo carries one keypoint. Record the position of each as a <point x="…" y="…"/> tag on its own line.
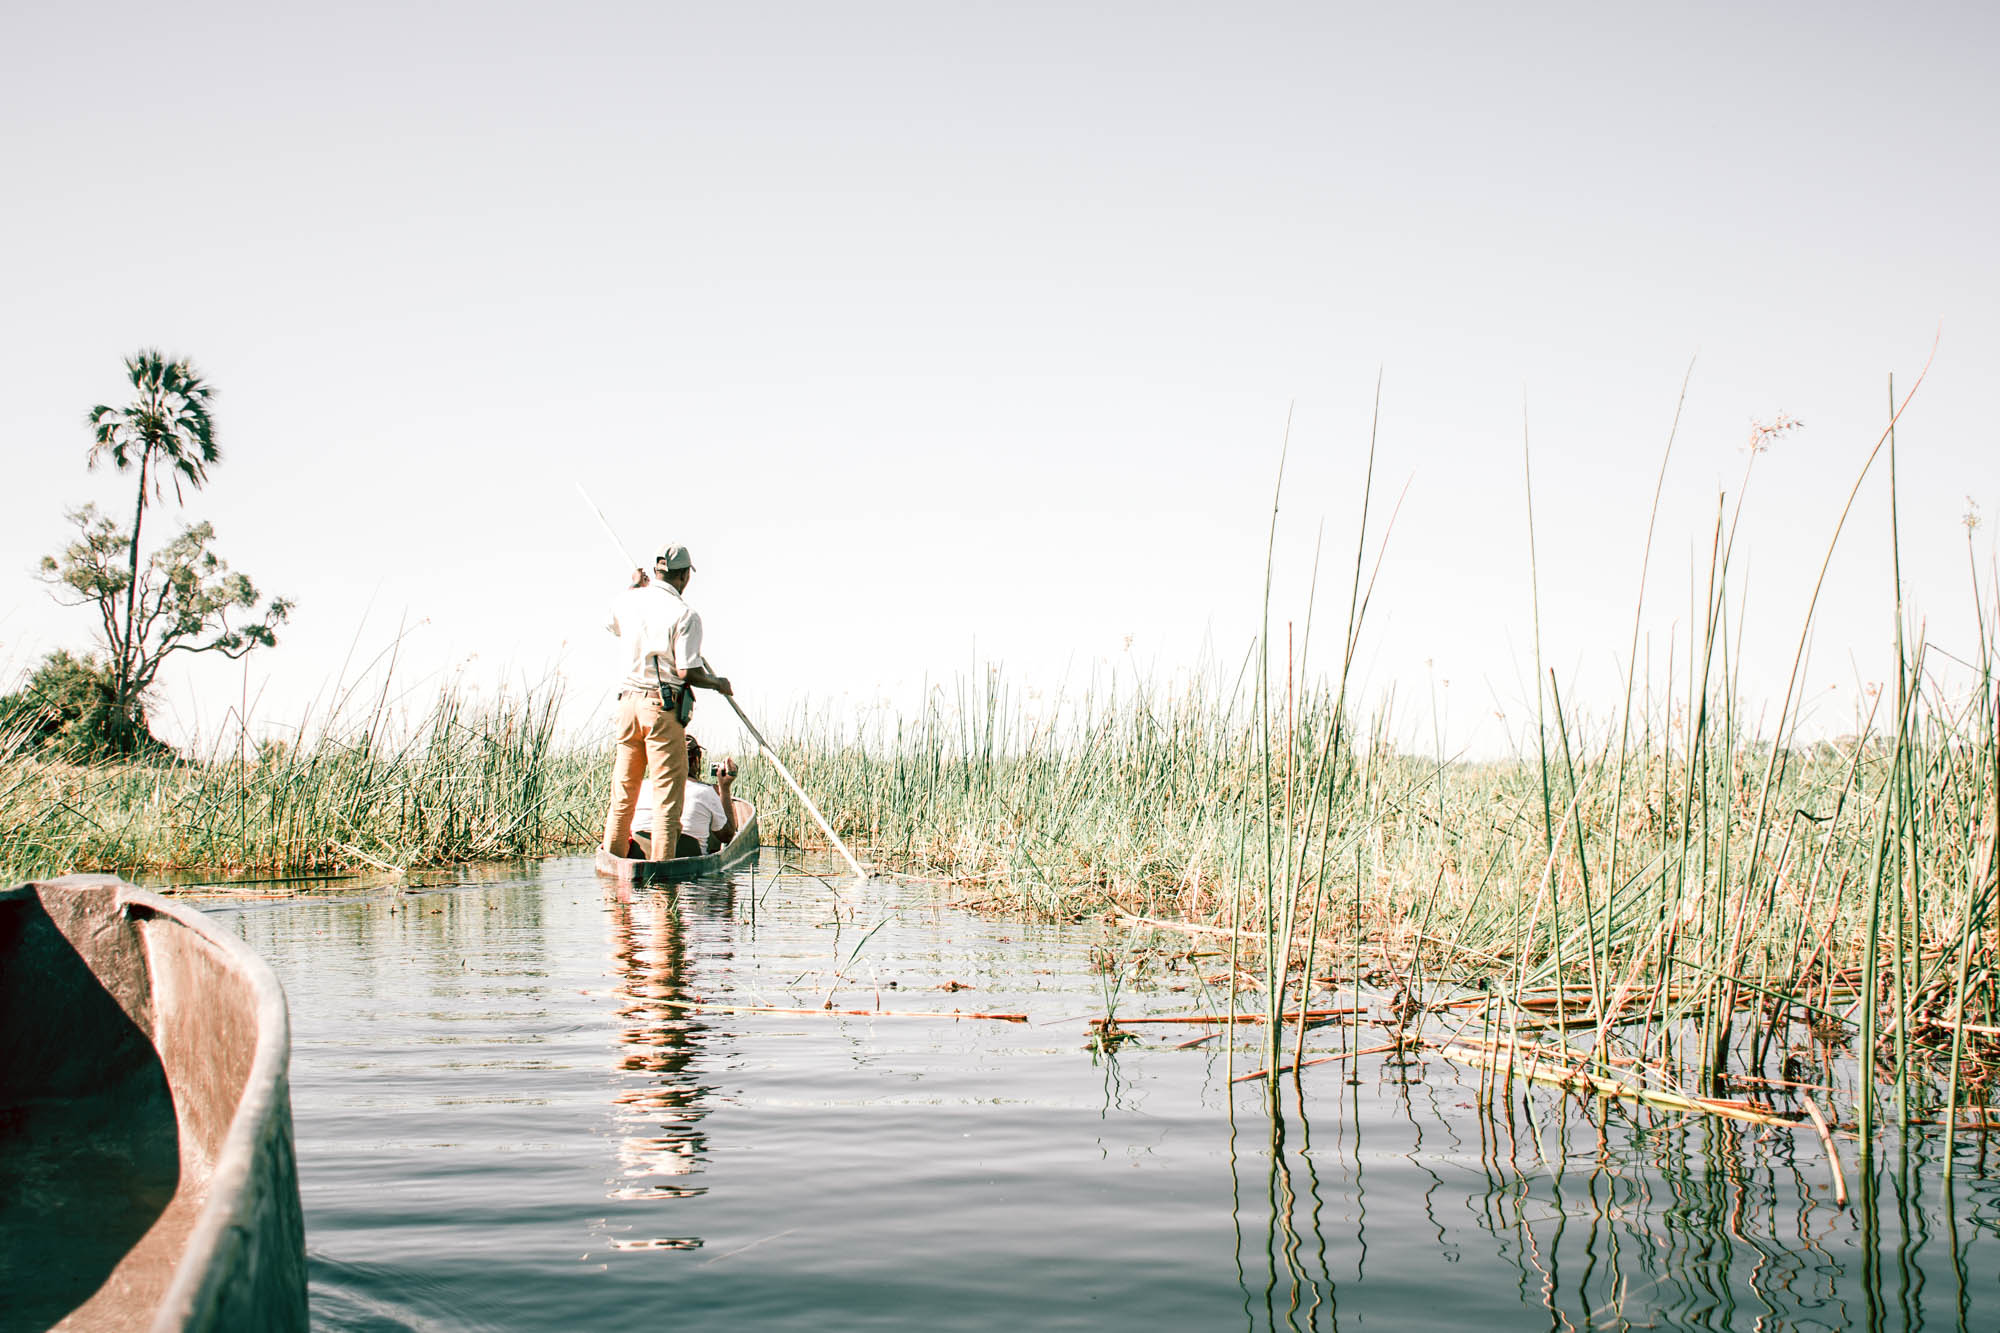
<point x="676" y="698"/>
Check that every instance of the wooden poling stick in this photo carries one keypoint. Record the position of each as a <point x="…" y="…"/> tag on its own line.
<point x="797" y="790"/>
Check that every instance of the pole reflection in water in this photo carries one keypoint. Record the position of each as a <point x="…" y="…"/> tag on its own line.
<point x="659" y="1108"/>
<point x="1582" y="1214"/>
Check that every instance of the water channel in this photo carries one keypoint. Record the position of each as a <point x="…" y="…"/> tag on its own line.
<point x="508" y="1119"/>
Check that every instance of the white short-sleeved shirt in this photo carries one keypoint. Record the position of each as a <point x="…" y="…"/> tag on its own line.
<point x="659" y="631"/>
<point x="701" y="811"/>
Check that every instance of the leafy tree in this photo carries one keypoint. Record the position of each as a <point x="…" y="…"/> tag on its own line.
<point x="182" y="598"/>
<point x="65" y="708"/>
<point x="185" y="600"/>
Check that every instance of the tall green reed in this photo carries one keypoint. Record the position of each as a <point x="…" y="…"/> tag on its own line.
<point x="373" y="785"/>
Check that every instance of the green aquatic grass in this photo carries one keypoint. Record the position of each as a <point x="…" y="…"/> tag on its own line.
<point x="1707" y="899"/>
<point x="1752" y="877"/>
<point x="462" y="781"/>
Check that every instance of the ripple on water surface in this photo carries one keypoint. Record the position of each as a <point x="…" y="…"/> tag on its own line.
<point x="508" y="1118"/>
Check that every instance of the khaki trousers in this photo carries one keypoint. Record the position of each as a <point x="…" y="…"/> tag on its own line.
<point x="650" y="739"/>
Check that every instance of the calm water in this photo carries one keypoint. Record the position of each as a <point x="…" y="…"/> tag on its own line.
<point x="503" y="1124"/>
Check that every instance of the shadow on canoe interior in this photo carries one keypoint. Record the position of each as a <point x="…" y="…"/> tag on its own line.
<point x="89" y="1147"/>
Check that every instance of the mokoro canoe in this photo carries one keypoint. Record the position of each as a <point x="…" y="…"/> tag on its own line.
<point x="628" y="870"/>
<point x="146" y="1171"/>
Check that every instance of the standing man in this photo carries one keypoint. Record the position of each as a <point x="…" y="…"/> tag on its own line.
<point x="662" y="640"/>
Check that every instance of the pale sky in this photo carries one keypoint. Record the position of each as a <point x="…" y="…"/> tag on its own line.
<point x="956" y="332"/>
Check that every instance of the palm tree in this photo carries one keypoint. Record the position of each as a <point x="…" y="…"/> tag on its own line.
<point x="167" y="434"/>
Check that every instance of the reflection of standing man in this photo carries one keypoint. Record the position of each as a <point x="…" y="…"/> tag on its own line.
<point x="662" y="638"/>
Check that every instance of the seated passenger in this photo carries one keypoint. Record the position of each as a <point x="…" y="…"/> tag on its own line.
<point x="708" y="814"/>
<point x="708" y="817"/>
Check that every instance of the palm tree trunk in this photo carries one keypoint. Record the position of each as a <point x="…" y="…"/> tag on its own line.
<point x="126" y="652"/>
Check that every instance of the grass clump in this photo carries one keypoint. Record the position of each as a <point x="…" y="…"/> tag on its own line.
<point x="463" y="781"/>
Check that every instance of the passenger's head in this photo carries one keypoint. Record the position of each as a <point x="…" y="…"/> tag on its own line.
<point x="674" y="565"/>
<point x="694" y="758"/>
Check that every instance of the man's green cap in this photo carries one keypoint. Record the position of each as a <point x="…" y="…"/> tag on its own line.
<point x="672" y="557"/>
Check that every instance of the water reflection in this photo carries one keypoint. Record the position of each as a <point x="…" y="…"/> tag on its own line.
<point x="658" y="1106"/>
<point x="1597" y="1214"/>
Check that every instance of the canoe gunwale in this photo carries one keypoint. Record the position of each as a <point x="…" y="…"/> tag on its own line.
<point x="266" y="1096"/>
<point x="630" y="870"/>
<point x="253" y="1157"/>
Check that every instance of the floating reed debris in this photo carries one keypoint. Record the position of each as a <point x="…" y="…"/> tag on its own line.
<point x="703" y="1006"/>
<point x="1335" y="1058"/>
<point x="1221" y="1019"/>
<point x="1561" y="1068"/>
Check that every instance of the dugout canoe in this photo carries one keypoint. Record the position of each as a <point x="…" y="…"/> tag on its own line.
<point x="146" y="1172"/>
<point x="628" y="870"/>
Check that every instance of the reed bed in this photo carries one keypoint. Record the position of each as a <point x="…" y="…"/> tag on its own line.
<point x="380" y="790"/>
<point x="1707" y="902"/>
<point x="1156" y="807"/>
<point x="1672" y="900"/>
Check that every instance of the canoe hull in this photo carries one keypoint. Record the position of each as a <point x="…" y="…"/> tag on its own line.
<point x="627" y="870"/>
<point x="147" y="1104"/>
